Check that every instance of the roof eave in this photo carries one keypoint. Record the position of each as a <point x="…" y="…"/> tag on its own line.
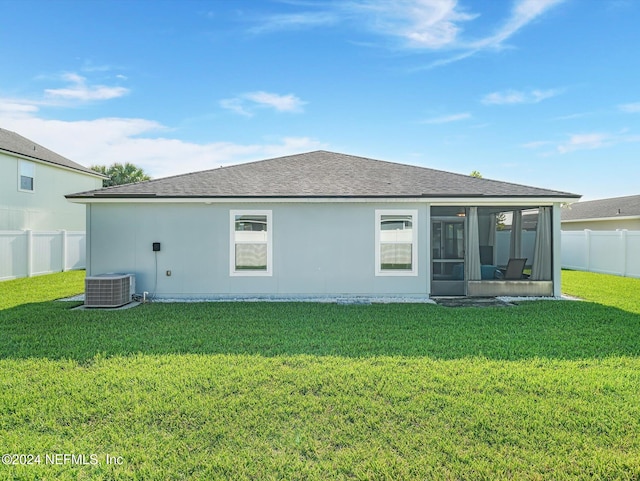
<point x="55" y="164"/>
<point x="466" y="199"/>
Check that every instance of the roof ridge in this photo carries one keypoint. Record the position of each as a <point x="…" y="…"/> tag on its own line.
<point x="322" y="173"/>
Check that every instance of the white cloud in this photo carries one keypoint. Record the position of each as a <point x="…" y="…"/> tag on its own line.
<point x="537" y="144"/>
<point x="295" y="21"/>
<point x="12" y="106"/>
<point x="522" y="13"/>
<point x="420" y="24"/>
<point x="630" y="108"/>
<point x="282" y="103"/>
<point x="235" y="105"/>
<point x="579" y="115"/>
<point x="589" y="141"/>
<point x="245" y="104"/>
<point x="428" y="24"/>
<point x="510" y="97"/>
<point x="79" y="90"/>
<point x="139" y="141"/>
<point x="585" y="141"/>
<point x="142" y="142"/>
<point x="501" y="98"/>
<point x="448" y="118"/>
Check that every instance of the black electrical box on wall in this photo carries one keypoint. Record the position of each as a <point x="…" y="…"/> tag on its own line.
<point x="156" y="246"/>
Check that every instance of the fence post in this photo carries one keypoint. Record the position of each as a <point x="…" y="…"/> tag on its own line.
<point x="63" y="234"/>
<point x="587" y="242"/>
<point x="623" y="238"/>
<point x="29" y="235"/>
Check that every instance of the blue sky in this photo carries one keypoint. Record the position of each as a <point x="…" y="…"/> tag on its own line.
<point x="539" y="92"/>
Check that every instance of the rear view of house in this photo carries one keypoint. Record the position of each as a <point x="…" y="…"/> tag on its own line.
<point x="325" y="224"/>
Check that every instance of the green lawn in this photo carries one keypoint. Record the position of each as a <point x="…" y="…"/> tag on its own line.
<point x="544" y="390"/>
<point x="621" y="292"/>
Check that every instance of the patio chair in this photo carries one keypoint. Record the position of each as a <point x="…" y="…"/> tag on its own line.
<point x="514" y="270"/>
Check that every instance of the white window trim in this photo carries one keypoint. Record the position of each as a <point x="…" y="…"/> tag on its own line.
<point x="33" y="169"/>
<point x="414" y="243"/>
<point x="232" y="244"/>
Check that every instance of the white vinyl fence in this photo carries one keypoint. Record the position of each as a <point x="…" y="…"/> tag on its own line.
<point x="608" y="252"/>
<point x="26" y="253"/>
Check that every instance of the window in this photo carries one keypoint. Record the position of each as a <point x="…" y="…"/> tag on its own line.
<point x="396" y="242"/>
<point x="26" y="176"/>
<point x="251" y="243"/>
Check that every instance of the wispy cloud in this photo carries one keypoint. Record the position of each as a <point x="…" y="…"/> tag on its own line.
<point x="584" y="141"/>
<point x="536" y="144"/>
<point x="445" y="119"/>
<point x="632" y="108"/>
<point x="282" y="103"/>
<point x="423" y="25"/>
<point x="294" y="21"/>
<point x="522" y="13"/>
<point x="79" y="90"/>
<point x="590" y="141"/>
<point x="247" y="103"/>
<point x="430" y="24"/>
<point x="16" y="107"/>
<point x="236" y="105"/>
<point x="579" y="115"/>
<point x="511" y="97"/>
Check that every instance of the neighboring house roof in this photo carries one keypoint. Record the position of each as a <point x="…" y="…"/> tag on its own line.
<point x="613" y="208"/>
<point x="17" y="144"/>
<point x="321" y="174"/>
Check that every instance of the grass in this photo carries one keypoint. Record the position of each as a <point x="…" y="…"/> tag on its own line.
<point x="41" y="288"/>
<point x="621" y="292"/>
<point x="544" y="390"/>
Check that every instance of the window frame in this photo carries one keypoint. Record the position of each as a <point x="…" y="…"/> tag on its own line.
<point x="414" y="242"/>
<point x="232" y="244"/>
<point x="31" y="166"/>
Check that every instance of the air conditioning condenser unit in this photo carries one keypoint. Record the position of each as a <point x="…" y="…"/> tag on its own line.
<point x="109" y="290"/>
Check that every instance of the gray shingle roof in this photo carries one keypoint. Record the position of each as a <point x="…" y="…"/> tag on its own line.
<point x="603" y="208"/>
<point x="17" y="144"/>
<point x="321" y="174"/>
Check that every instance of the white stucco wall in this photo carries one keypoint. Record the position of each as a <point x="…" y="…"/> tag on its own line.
<point x="318" y="249"/>
<point x="46" y="207"/>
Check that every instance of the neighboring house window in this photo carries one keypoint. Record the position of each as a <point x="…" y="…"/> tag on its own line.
<point x="251" y="250"/>
<point x="396" y="242"/>
<point x="26" y="176"/>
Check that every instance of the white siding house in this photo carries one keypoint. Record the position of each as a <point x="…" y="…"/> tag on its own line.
<point x="33" y="183"/>
<point x="322" y="224"/>
<point x="603" y="215"/>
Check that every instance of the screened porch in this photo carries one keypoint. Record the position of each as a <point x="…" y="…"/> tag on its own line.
<point x="492" y="251"/>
